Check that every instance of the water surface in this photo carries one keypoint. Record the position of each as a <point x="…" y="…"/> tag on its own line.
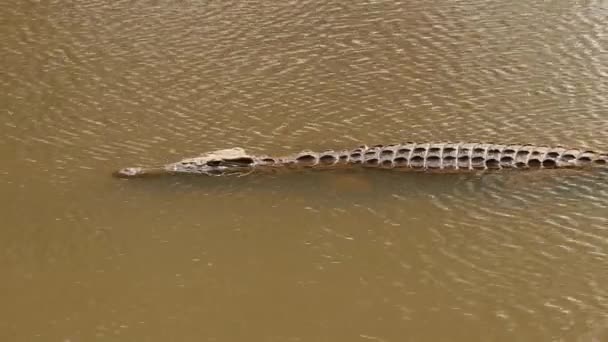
<point x="92" y="86"/>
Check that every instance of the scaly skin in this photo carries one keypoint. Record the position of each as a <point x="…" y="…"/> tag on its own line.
<point x="429" y="157"/>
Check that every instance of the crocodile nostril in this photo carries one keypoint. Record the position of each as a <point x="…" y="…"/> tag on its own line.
<point x="127" y="172"/>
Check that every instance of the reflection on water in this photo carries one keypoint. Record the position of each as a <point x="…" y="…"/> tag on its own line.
<point x="89" y="87"/>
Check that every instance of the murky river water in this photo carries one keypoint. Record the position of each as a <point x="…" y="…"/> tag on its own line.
<point x="91" y="86"/>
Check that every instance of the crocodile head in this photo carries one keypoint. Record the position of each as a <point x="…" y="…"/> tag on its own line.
<point x="216" y="163"/>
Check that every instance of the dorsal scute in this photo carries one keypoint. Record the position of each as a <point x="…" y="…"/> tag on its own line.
<point x="434" y="156"/>
<point x="371" y="156"/>
<point x="328" y="157"/>
<point x="303" y="158"/>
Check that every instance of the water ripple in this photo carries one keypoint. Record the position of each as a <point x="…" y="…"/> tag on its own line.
<point x="90" y="86"/>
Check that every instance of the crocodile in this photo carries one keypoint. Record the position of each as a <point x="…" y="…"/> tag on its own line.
<point x="410" y="156"/>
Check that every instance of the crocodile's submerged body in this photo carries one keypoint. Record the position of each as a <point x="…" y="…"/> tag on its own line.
<point x="429" y="157"/>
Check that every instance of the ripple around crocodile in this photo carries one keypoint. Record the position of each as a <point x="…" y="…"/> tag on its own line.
<point x="410" y="156"/>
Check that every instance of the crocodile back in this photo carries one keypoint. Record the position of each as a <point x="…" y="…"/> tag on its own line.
<point x="446" y="156"/>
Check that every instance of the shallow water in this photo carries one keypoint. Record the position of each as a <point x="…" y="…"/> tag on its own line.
<point x="92" y="86"/>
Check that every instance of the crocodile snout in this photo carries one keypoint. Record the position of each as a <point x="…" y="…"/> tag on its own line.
<point x="129" y="172"/>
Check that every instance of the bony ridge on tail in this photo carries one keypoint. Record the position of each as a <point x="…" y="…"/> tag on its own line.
<point x="410" y="156"/>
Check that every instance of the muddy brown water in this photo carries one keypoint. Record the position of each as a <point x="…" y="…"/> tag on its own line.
<point x="91" y="86"/>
